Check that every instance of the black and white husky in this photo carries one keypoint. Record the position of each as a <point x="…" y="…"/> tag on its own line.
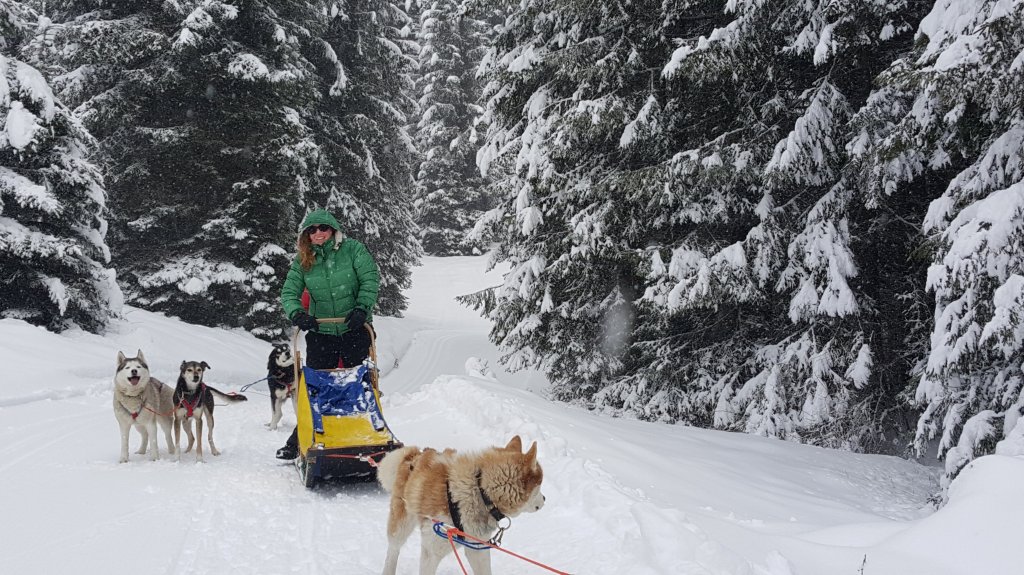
<point x="281" y="380"/>
<point x="193" y="402"/>
<point x="142" y="402"/>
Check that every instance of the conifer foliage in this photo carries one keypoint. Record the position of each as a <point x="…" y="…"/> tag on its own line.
<point x="685" y="240"/>
<point x="53" y="251"/>
<point x="206" y="147"/>
<point x="450" y="194"/>
<point x="954" y="106"/>
<point x="222" y="123"/>
<point x="365" y="178"/>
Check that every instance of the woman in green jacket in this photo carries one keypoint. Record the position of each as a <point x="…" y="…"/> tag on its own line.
<point x="342" y="281"/>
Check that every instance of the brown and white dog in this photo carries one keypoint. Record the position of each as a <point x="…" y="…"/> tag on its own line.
<point x="470" y="491"/>
<point x="193" y="401"/>
<point x="142" y="402"/>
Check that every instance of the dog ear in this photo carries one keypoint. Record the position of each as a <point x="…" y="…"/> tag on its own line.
<point x="531" y="455"/>
<point x="141" y="357"/>
<point x="205" y="365"/>
<point x="120" y="358"/>
<point x="182" y="368"/>
<point x="516" y="443"/>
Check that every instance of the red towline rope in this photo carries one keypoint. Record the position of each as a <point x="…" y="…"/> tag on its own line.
<point x="368" y="458"/>
<point x="451" y="532"/>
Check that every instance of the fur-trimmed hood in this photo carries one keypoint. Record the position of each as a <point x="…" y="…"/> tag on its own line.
<point x="317" y="217"/>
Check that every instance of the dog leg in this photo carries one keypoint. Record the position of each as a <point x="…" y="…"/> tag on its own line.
<point x="276" y="417"/>
<point x="432" y="549"/>
<point x="145" y="438"/>
<point x="479" y="560"/>
<point x="187" y="424"/>
<point x="209" y="434"/>
<point x="199" y="436"/>
<point x="125" y="431"/>
<point x="165" y="425"/>
<point x="399" y="529"/>
<point x="154" y="451"/>
<point x="177" y="437"/>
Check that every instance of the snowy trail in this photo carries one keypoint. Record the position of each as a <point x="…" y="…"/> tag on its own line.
<point x="622" y="496"/>
<point x="249" y="511"/>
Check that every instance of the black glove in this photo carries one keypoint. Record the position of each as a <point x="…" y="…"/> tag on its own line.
<point x="355" y="319"/>
<point x="305" y="322"/>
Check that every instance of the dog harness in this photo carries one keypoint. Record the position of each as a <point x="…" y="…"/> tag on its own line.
<point x="280" y="374"/>
<point x="136" y="412"/>
<point x="142" y="403"/>
<point x="190" y="406"/>
<point x="456" y="515"/>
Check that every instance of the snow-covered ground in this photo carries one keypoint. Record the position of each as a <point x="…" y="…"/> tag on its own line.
<point x="622" y="496"/>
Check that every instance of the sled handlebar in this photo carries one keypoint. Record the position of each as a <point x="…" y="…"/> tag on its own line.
<point x="295" y="334"/>
<point x="330" y="320"/>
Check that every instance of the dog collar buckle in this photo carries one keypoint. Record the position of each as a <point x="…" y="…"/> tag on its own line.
<point x="496" y="540"/>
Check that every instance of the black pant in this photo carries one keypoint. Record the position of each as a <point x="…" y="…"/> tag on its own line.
<point x="324" y="351"/>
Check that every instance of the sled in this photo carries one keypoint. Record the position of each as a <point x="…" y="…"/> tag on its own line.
<point x="342" y="431"/>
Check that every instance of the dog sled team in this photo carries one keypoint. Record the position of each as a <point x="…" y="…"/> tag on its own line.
<point x="145" y="403"/>
<point x="329" y="293"/>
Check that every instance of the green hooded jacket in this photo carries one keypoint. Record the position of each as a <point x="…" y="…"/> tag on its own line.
<point x="343" y="277"/>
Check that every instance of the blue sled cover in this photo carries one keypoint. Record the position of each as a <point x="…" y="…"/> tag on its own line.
<point x="345" y="392"/>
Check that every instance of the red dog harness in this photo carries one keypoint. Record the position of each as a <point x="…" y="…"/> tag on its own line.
<point x="191" y="406"/>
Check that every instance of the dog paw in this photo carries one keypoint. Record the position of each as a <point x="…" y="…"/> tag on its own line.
<point x="124" y="459"/>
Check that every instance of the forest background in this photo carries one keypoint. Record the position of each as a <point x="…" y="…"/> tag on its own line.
<point x="800" y="219"/>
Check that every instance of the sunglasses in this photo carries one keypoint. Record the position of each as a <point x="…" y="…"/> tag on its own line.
<point x="320" y="228"/>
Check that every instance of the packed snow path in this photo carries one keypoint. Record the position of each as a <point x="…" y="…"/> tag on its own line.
<point x="622" y="496"/>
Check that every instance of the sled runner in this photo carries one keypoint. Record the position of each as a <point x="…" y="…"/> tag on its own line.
<point x="342" y="431"/>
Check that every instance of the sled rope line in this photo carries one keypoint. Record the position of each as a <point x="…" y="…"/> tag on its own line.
<point x="451" y="533"/>
<point x="248" y="385"/>
<point x="368" y="458"/>
<point x="151" y="410"/>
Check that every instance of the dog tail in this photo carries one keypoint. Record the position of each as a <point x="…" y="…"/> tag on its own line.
<point x="228" y="397"/>
<point x="395" y="466"/>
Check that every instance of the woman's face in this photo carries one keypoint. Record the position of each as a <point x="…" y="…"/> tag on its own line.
<point x="319" y="234"/>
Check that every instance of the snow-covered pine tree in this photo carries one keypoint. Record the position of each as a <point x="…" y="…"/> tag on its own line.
<point x="564" y="79"/>
<point x="199" y="106"/>
<point x="360" y="122"/>
<point x="818" y="252"/>
<point x="952" y="112"/>
<point x="450" y="194"/>
<point x="53" y="251"/>
<point x="678" y="219"/>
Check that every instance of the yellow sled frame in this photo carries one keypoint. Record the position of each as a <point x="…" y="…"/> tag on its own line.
<point x="349" y="447"/>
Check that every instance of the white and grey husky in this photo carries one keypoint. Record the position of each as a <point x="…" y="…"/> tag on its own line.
<point x="141" y="401"/>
